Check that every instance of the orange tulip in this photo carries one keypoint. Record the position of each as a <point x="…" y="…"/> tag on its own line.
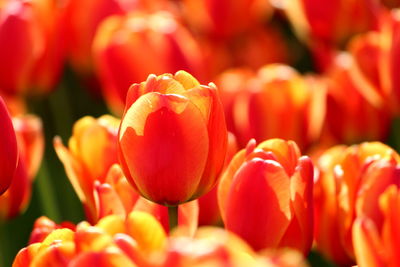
<point x="128" y="48"/>
<point x="352" y="115"/>
<point x="31" y="43"/>
<point x="9" y="150"/>
<point x="29" y="135"/>
<point x="272" y="172"/>
<point x="172" y="138"/>
<point x="81" y="25"/>
<point x="92" y="151"/>
<point x="375" y="245"/>
<point x="277" y="102"/>
<point x="350" y="182"/>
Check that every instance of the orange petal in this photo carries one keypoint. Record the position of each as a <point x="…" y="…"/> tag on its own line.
<point x="258" y="204"/>
<point x="146" y="231"/>
<point x="367" y="246"/>
<point x="164" y="144"/>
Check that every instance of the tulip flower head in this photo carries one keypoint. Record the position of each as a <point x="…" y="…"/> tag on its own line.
<point x="172" y="138"/>
<point x="272" y="172"/>
<point x="349" y="185"/>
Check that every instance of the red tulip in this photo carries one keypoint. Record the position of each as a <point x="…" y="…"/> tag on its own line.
<point x="273" y="173"/>
<point x="9" y="150"/>
<point x="172" y="138"/>
<point x="31" y="43"/>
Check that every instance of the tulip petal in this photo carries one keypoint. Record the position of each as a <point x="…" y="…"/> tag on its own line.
<point x="258" y="204"/>
<point x="156" y="144"/>
<point x="207" y="100"/>
<point x="367" y="246"/>
<point x="146" y="231"/>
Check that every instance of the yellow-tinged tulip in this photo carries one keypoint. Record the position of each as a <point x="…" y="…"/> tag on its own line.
<point x="350" y="182"/>
<point x="172" y="138"/>
<point x="275" y="173"/>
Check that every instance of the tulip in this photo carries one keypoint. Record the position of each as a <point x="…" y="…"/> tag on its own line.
<point x="172" y="138"/>
<point x="81" y="26"/>
<point x="9" y="150"/>
<point x="272" y="172"/>
<point x="348" y="187"/>
<point x="376" y="246"/>
<point x="151" y="43"/>
<point x="92" y="151"/>
<point x="32" y="30"/>
<point x="298" y="102"/>
<point x="352" y="114"/>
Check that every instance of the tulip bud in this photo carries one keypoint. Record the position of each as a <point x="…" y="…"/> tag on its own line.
<point x="273" y="173"/>
<point x="255" y="103"/>
<point x="172" y="138"/>
<point x="128" y="48"/>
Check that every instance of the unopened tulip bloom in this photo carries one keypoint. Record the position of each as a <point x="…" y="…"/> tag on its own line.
<point x="8" y="150"/>
<point x="128" y="48"/>
<point x="31" y="43"/>
<point x="275" y="173"/>
<point x="29" y="135"/>
<point x="277" y="102"/>
<point x="172" y="138"/>
<point x="348" y="186"/>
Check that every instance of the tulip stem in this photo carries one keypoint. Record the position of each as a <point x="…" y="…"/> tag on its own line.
<point x="173" y="217"/>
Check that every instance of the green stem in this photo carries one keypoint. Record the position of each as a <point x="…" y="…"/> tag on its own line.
<point x="173" y="217"/>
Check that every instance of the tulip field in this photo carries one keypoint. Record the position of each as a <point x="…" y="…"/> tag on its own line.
<point x="176" y="133"/>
